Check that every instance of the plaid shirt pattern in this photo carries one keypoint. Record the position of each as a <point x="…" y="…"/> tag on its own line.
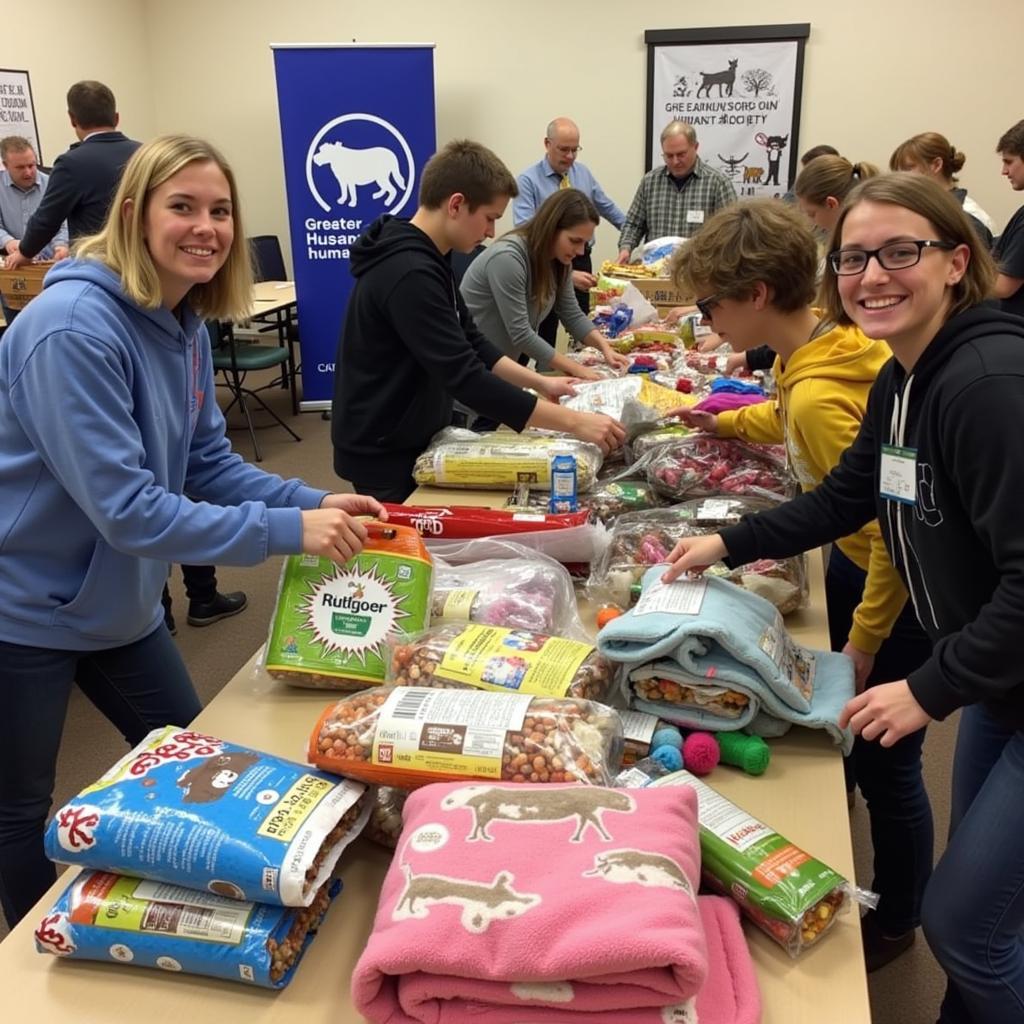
<point x="659" y="207"/>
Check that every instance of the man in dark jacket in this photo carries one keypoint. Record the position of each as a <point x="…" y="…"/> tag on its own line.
<point x="84" y="178"/>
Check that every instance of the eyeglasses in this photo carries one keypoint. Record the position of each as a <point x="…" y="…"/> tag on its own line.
<point x="567" y="150"/>
<point x="705" y="306"/>
<point x="894" y="256"/>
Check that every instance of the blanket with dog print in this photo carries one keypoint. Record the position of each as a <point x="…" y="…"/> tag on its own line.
<point x="552" y="904"/>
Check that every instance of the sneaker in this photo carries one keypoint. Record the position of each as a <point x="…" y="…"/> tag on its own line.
<point x="223" y="606"/>
<point x="879" y="948"/>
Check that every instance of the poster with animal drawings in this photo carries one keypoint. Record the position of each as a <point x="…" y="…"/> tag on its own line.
<point x="741" y="99"/>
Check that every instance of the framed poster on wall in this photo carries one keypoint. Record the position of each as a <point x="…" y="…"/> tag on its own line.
<point x="17" y="110"/>
<point x="740" y="88"/>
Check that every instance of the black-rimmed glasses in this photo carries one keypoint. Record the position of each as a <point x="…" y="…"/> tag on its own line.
<point x="704" y="306"/>
<point x="894" y="256"/>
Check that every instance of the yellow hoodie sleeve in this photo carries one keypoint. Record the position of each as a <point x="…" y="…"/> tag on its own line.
<point x="883" y="599"/>
<point x="830" y="418"/>
<point x="761" y="423"/>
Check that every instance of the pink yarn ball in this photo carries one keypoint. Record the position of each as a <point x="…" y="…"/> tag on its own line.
<point x="700" y="752"/>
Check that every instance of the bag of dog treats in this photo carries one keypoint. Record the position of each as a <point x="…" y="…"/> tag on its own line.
<point x="787" y="893"/>
<point x="407" y="736"/>
<point x="330" y="623"/>
<point x="124" y="920"/>
<point x="485" y="657"/>
<point x="196" y="811"/>
<point x="385" y="824"/>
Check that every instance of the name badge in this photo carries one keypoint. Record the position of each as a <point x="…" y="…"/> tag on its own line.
<point x="898" y="477"/>
<point x="694" y="216"/>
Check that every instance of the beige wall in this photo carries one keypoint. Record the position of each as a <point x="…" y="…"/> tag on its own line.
<point x="61" y="42"/>
<point x="204" y="66"/>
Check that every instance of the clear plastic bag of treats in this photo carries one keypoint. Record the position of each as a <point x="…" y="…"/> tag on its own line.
<point x="457" y="654"/>
<point x="496" y="582"/>
<point x="410" y="736"/>
<point x="462" y="458"/>
<point x="385" y="824"/>
<point x="642" y="539"/>
<point x="701" y="466"/>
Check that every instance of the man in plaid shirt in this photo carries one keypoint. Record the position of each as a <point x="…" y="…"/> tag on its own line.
<point x="675" y="199"/>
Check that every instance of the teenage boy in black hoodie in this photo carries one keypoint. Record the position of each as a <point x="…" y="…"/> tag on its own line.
<point x="409" y="346"/>
<point x="1009" y="247"/>
<point x="938" y="461"/>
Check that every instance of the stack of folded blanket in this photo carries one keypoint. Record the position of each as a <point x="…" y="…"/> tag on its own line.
<point x="555" y="905"/>
<point x="707" y="654"/>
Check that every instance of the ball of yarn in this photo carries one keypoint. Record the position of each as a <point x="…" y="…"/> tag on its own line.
<point x="700" y="751"/>
<point x="667" y="736"/>
<point x="668" y="757"/>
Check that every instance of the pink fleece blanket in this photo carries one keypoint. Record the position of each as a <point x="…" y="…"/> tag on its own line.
<point x="552" y="905"/>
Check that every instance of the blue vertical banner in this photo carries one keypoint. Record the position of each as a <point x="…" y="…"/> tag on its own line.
<point x="357" y="126"/>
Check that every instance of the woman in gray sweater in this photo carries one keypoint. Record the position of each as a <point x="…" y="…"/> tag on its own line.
<point x="512" y="286"/>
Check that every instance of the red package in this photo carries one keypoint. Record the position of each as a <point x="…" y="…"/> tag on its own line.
<point x="464" y="522"/>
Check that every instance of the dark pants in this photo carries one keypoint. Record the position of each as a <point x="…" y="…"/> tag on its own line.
<point x="974" y="908"/>
<point x="138" y="687"/>
<point x="200" y="585"/>
<point x="549" y="325"/>
<point x="890" y="778"/>
<point x="393" y="491"/>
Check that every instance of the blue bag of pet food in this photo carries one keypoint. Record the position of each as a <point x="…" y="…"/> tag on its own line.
<point x="119" y="919"/>
<point x="197" y="811"/>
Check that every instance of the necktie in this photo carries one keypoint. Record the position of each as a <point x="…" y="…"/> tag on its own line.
<point x="564" y="183"/>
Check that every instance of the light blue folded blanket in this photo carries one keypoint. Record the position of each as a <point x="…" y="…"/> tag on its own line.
<point x="710" y="636"/>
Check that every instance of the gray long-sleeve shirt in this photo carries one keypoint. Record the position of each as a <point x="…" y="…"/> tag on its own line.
<point x="498" y="291"/>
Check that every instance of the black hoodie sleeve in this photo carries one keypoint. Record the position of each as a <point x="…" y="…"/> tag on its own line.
<point x="980" y="442"/>
<point x="432" y="331"/>
<point x="57" y="202"/>
<point x="840" y="505"/>
<point x="760" y="358"/>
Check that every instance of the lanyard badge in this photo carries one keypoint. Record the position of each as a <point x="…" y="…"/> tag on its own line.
<point x="898" y="476"/>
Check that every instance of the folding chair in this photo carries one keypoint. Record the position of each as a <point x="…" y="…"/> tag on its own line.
<point x="235" y="362"/>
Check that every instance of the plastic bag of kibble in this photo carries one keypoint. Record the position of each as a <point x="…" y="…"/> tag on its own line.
<point x="125" y="920"/>
<point x="462" y="458"/>
<point x="787" y="893"/>
<point x="330" y="620"/>
<point x="385" y="824"/>
<point x="407" y="736"/>
<point x="498" y="658"/>
<point x="497" y="582"/>
<point x="196" y="811"/>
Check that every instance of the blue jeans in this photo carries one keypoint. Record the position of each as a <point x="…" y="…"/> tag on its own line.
<point x="902" y="832"/>
<point x="138" y="687"/>
<point x="974" y="906"/>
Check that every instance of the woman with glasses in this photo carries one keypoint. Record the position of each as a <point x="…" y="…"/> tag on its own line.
<point x="512" y="286"/>
<point x="934" y="155"/>
<point x="754" y="266"/>
<point x="938" y="461"/>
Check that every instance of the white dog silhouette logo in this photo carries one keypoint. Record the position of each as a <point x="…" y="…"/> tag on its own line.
<point x="353" y="166"/>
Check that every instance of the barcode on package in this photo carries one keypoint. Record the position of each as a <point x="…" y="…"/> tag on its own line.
<point x="410" y="704"/>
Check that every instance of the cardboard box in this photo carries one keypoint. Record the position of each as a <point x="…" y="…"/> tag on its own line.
<point x="19" y="287"/>
<point x="660" y="291"/>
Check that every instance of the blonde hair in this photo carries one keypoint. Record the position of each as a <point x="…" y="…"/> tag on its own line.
<point x="927" y="198"/>
<point x="832" y="176"/>
<point x="756" y="240"/>
<point x="120" y="243"/>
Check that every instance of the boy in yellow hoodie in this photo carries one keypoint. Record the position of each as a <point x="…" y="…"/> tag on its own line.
<point x="754" y="264"/>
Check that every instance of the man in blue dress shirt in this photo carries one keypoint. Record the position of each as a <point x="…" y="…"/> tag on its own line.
<point x="559" y="168"/>
<point x="22" y="185"/>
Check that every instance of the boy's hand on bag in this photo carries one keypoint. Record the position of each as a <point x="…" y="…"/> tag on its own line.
<point x="885" y="713"/>
<point x="863" y="663"/>
<point x="356" y="505"/>
<point x="706" y="421"/>
<point x="332" y="533"/>
<point x="694" y="554"/>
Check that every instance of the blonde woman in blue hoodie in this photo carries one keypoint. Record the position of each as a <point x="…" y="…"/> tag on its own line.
<point x="107" y="420"/>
